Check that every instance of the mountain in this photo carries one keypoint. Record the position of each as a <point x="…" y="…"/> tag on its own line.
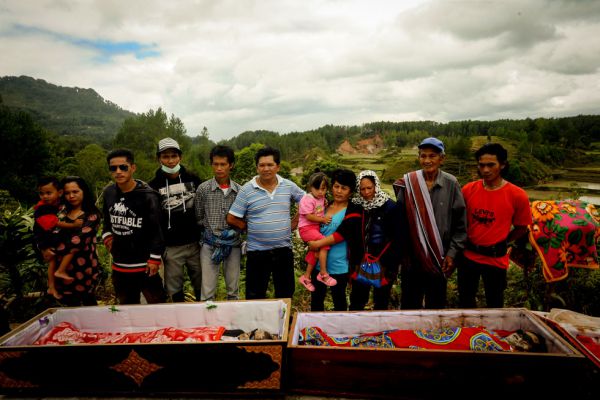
<point x="63" y="110"/>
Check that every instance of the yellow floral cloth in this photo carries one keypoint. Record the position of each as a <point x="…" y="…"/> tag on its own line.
<point x="564" y="234"/>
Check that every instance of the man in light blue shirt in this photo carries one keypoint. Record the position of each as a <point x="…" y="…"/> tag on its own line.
<point x="262" y="206"/>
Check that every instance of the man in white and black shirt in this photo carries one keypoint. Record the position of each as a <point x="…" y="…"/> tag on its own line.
<point x="177" y="189"/>
<point x="132" y="232"/>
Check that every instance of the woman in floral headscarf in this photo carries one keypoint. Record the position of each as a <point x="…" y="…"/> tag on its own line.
<point x="370" y="226"/>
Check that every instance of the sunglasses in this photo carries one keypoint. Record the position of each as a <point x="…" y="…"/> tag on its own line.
<point x="122" y="167"/>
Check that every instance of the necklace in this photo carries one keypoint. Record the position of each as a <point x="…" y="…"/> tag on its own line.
<point x="491" y="187"/>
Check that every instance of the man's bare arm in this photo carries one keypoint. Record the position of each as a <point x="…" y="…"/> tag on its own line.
<point x="236" y="222"/>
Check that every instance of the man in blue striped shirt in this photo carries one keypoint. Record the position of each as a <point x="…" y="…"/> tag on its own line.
<point x="262" y="206"/>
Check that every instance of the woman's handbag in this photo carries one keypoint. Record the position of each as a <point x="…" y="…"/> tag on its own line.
<point x="370" y="272"/>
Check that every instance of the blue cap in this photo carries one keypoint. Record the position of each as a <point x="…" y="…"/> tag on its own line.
<point x="433" y="142"/>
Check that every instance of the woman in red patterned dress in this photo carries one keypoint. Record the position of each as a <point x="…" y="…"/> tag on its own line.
<point x="84" y="268"/>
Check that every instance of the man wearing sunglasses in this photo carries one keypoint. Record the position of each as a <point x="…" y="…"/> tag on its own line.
<point x="132" y="232"/>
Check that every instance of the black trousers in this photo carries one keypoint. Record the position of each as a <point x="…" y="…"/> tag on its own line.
<point x="260" y="265"/>
<point x="129" y="285"/>
<point x="494" y="283"/>
<point x="338" y="293"/>
<point x="359" y="296"/>
<point x="418" y="286"/>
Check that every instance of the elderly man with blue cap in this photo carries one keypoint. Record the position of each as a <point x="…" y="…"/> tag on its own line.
<point x="435" y="228"/>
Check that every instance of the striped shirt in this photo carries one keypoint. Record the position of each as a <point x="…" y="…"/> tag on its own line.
<point x="212" y="205"/>
<point x="267" y="214"/>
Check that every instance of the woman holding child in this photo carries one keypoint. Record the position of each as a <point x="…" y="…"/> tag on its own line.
<point x="343" y="182"/>
<point x="369" y="228"/>
<point x="77" y="287"/>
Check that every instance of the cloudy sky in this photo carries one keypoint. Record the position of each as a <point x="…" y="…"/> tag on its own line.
<point x="297" y="65"/>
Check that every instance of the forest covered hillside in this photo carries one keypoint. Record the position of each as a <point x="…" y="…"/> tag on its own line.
<point x="68" y="131"/>
<point x="64" y="110"/>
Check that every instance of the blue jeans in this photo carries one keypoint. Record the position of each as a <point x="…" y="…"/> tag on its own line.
<point x="210" y="273"/>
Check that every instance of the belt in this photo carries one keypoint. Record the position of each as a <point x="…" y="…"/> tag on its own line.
<point x="495" y="250"/>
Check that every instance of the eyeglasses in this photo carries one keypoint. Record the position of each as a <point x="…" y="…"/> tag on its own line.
<point x="122" y="167"/>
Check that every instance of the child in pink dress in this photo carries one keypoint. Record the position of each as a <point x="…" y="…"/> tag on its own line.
<point x="312" y="215"/>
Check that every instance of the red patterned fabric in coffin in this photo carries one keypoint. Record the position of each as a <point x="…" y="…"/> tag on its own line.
<point x="66" y="333"/>
<point x="467" y="338"/>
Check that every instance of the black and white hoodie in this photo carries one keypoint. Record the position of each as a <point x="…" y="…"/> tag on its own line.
<point x="133" y="221"/>
<point x="177" y="197"/>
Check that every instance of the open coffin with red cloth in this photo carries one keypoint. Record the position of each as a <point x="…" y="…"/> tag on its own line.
<point x="183" y="348"/>
<point x="381" y="369"/>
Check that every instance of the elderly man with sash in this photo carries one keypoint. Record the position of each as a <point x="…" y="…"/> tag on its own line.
<point x="435" y="228"/>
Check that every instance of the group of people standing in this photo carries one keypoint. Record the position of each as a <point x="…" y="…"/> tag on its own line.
<point x="434" y="227"/>
<point x="175" y="219"/>
<point x="195" y="226"/>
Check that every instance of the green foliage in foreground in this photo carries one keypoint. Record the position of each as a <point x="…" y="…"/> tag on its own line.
<point x="23" y="280"/>
<point x="21" y="273"/>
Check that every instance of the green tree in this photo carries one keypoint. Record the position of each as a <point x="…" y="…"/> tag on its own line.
<point x="245" y="166"/>
<point x="461" y="148"/>
<point x="535" y="138"/>
<point x="325" y="165"/>
<point x="26" y="154"/>
<point x="142" y="133"/>
<point x="197" y="159"/>
<point x="91" y="166"/>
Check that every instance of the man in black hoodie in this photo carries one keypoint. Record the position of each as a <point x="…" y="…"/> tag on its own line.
<point x="177" y="189"/>
<point x="132" y="232"/>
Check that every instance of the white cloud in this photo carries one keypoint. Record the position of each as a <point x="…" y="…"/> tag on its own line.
<point x="287" y="66"/>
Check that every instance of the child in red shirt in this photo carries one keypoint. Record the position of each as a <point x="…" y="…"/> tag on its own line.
<point x="47" y="231"/>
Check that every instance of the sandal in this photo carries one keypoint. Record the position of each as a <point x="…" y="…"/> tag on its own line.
<point x="307" y="283"/>
<point x="326" y="279"/>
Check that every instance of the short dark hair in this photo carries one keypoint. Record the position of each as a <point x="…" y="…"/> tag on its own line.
<point x="222" y="151"/>
<point x="344" y="177"/>
<point x="268" y="151"/>
<point x="494" y="149"/>
<point x="128" y="154"/>
<point x="47" y="180"/>
<point x="88" y="204"/>
<point x="317" y="179"/>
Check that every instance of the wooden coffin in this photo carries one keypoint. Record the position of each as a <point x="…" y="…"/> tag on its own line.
<point x="225" y="367"/>
<point x="412" y="373"/>
<point x="578" y="329"/>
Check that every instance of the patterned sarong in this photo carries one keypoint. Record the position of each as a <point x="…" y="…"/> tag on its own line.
<point x="424" y="232"/>
<point x="564" y="234"/>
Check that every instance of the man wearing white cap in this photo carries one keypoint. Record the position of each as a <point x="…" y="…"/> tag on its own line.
<point x="177" y="189"/>
<point x="435" y="228"/>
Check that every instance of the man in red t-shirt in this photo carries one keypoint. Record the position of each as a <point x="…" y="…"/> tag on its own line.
<point x="497" y="213"/>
